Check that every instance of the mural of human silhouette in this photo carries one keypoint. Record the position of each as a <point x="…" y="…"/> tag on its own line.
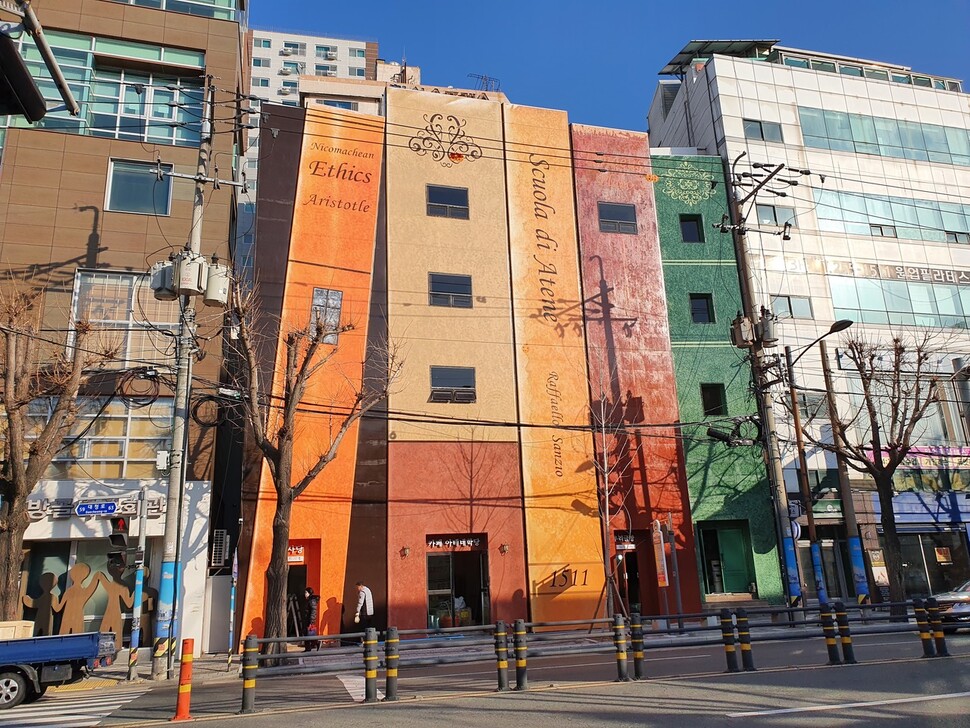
<point x="118" y="593"/>
<point x="72" y="601"/>
<point x="44" y="604"/>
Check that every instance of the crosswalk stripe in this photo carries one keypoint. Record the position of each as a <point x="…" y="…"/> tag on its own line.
<point x="355" y="685"/>
<point x="68" y="710"/>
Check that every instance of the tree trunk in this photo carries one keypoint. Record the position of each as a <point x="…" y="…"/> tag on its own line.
<point x="892" y="549"/>
<point x="278" y="571"/>
<point x="11" y="560"/>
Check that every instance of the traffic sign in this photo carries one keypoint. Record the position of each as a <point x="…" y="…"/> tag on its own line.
<point x="95" y="508"/>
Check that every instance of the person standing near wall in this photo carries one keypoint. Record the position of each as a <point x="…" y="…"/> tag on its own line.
<point x="365" y="607"/>
<point x="312" y="615"/>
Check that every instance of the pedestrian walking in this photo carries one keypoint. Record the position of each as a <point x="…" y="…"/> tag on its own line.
<point x="312" y="615"/>
<point x="365" y="607"/>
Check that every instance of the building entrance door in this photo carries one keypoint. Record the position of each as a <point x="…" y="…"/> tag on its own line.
<point x="725" y="554"/>
<point x="458" y="590"/>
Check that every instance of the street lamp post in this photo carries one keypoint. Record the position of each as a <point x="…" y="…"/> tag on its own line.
<point x="804" y="488"/>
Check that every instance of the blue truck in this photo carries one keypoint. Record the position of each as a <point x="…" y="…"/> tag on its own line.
<point x="29" y="666"/>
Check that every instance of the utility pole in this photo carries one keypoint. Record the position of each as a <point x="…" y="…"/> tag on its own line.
<point x="788" y="558"/>
<point x="185" y="352"/>
<point x="859" y="579"/>
<point x="139" y="584"/>
<point x="806" y="491"/>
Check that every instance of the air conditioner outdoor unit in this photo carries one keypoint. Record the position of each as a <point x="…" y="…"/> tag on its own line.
<point x="285" y="91"/>
<point x="286" y="52"/>
<point x="285" y="71"/>
<point x="331" y="55"/>
<point x="331" y="73"/>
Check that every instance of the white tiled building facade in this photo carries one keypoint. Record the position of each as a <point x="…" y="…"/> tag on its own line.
<point x="880" y="235"/>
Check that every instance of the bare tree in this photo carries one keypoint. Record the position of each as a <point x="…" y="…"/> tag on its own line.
<point x="894" y="386"/>
<point x="273" y="419"/>
<point x="32" y="370"/>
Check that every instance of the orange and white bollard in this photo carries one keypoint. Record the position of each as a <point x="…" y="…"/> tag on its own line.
<point x="185" y="682"/>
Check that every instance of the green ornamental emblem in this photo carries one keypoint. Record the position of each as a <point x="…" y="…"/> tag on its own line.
<point x="689" y="184"/>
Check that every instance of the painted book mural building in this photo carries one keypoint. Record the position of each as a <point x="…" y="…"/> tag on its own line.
<point x="528" y="450"/>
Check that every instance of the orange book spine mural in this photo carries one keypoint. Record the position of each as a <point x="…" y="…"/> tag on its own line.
<point x="563" y="529"/>
<point x="328" y="274"/>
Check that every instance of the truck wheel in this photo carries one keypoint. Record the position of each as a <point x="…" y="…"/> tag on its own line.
<point x="13" y="690"/>
<point x="33" y="694"/>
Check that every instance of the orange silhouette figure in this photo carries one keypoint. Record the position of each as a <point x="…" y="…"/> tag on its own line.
<point x="118" y="592"/>
<point x="71" y="604"/>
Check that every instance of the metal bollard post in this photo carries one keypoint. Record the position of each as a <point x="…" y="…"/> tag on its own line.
<point x="744" y="637"/>
<point x="636" y="642"/>
<point x="925" y="637"/>
<point x="521" y="650"/>
<point x="619" y="641"/>
<point x="250" y="664"/>
<point x="936" y="625"/>
<point x="727" y="633"/>
<point x="502" y="654"/>
<point x="185" y="682"/>
<point x="828" y="629"/>
<point x="842" y="619"/>
<point x="370" y="665"/>
<point x="392" y="654"/>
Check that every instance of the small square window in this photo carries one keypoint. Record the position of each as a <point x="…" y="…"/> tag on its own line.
<point x="358" y="72"/>
<point x="617" y="218"/>
<point x="450" y="290"/>
<point x="321" y="69"/>
<point x="261" y="63"/>
<point x="702" y="308"/>
<point x="714" y="400"/>
<point x="799" y="307"/>
<point x="292" y="47"/>
<point x="135" y="187"/>
<point x="811" y="405"/>
<point x="447" y="202"/>
<point x="337" y="104"/>
<point x="768" y="131"/>
<point x="882" y="231"/>
<point x="957" y="237"/>
<point x="328" y="52"/>
<point x="325" y="310"/>
<point x="262" y="43"/>
<point x="692" y="228"/>
<point x="453" y="384"/>
<point x="358" y="53"/>
<point x="260" y="83"/>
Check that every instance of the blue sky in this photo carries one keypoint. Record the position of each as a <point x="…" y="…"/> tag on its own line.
<point x="599" y="60"/>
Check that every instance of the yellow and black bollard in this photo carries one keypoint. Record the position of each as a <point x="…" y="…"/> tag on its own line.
<point x="502" y="654"/>
<point x="829" y="631"/>
<point x="937" y="626"/>
<point x="636" y="643"/>
<point x="925" y="637"/>
<point x="521" y="651"/>
<point x="842" y="619"/>
<point x="619" y="641"/>
<point x="250" y="663"/>
<point x="392" y="655"/>
<point x="744" y="637"/>
<point x="727" y="633"/>
<point x="370" y="665"/>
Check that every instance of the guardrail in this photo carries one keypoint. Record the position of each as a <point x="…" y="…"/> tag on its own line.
<point x="732" y="629"/>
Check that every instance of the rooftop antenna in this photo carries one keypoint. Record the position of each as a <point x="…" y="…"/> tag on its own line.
<point x="486" y="83"/>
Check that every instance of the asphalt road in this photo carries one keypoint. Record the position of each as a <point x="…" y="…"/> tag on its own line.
<point x="892" y="685"/>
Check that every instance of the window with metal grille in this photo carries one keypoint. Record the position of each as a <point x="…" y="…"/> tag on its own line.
<point x="446" y="289"/>
<point x="447" y="202"/>
<point x="617" y="218"/>
<point x="453" y="384"/>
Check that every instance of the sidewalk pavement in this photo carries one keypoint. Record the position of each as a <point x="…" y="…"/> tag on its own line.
<point x="205" y="669"/>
